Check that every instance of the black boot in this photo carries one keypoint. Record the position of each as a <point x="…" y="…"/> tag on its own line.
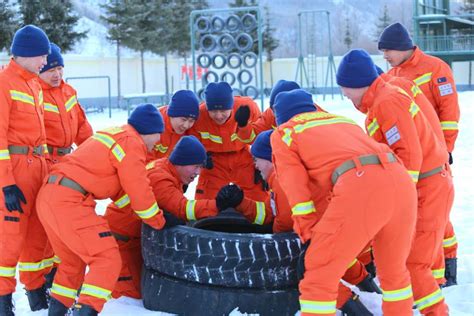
<point x="451" y="272"/>
<point x="84" y="310"/>
<point x="370" y="267"/>
<point x="354" y="307"/>
<point x="50" y="278"/>
<point x="38" y="299"/>
<point x="6" y="305"/>
<point x="56" y="308"/>
<point x="368" y="285"/>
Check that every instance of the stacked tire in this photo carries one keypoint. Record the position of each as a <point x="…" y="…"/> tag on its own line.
<point x="199" y="271"/>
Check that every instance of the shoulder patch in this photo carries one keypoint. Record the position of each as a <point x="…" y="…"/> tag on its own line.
<point x="392" y="135"/>
<point x="441" y="80"/>
<point x="113" y="130"/>
<point x="445" y="89"/>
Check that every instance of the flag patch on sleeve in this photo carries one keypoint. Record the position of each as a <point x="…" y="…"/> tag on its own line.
<point x="445" y="89"/>
<point x="392" y="135"/>
<point x="441" y="80"/>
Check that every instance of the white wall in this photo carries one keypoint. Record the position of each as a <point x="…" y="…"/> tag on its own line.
<point x="79" y="66"/>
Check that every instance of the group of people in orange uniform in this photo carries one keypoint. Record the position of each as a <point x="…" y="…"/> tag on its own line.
<point x="357" y="199"/>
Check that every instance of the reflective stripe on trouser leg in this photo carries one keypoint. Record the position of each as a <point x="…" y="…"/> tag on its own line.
<point x="318" y="307"/>
<point x="64" y="291"/>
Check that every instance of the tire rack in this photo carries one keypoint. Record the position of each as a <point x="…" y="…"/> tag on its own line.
<point x="221" y="43"/>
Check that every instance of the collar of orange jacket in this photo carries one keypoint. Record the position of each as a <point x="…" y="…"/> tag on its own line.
<point x="369" y="95"/>
<point x="16" y="68"/>
<point x="413" y="60"/>
<point x="47" y="86"/>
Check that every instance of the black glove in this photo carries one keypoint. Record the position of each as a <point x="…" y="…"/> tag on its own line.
<point x="300" y="268"/>
<point x="13" y="196"/>
<point x="208" y="164"/>
<point x="229" y="196"/>
<point x="450" y="158"/>
<point x="242" y="115"/>
<point x="185" y="188"/>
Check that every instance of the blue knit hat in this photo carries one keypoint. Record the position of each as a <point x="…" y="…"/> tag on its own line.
<point x="146" y="119"/>
<point x="30" y="41"/>
<point x="356" y="70"/>
<point x="54" y="58"/>
<point x="219" y="96"/>
<point x="395" y="37"/>
<point x="261" y="148"/>
<point x="290" y="103"/>
<point x="188" y="151"/>
<point x="184" y="103"/>
<point x="280" y="86"/>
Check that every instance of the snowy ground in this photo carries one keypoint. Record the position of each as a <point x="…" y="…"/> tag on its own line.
<point x="460" y="298"/>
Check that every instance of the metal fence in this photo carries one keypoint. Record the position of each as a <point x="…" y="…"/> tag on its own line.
<point x="449" y="43"/>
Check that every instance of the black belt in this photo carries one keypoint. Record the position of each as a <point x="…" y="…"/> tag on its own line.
<point x="60" y="151"/>
<point x="120" y="237"/>
<point x="24" y="150"/>
<point x="65" y="182"/>
<point x="364" y="161"/>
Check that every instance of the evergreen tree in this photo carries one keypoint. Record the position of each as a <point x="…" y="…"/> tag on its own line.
<point x="383" y="22"/>
<point x="8" y="25"/>
<point x="270" y="43"/>
<point x="348" y="35"/>
<point x="120" y="30"/>
<point x="56" y="18"/>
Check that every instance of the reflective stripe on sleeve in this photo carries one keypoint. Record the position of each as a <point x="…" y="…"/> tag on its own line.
<point x="7" y="272"/>
<point x="260" y="213"/>
<point x="318" y="307"/>
<point x="414" y="109"/>
<point x="449" y="242"/>
<point x="190" y="210"/>
<point x="303" y="208"/>
<point x="149" y="212"/>
<point x="449" y="125"/>
<point x="123" y="201"/>
<point x="373" y="127"/>
<point x="109" y="142"/>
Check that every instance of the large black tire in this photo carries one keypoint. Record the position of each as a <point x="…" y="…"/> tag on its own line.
<point x="220" y="258"/>
<point x="166" y="294"/>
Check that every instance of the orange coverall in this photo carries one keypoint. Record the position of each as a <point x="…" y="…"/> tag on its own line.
<point x="265" y="122"/>
<point x="64" y="120"/>
<point x="105" y="164"/>
<point x="168" y="139"/>
<point x="22" y="237"/>
<point x="277" y="209"/>
<point x="126" y="225"/>
<point x="368" y="202"/>
<point x="425" y="106"/>
<point x="395" y="119"/>
<point x="230" y="153"/>
<point x="435" y="79"/>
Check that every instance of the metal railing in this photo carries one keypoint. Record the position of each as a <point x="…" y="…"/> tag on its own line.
<point x="449" y="43"/>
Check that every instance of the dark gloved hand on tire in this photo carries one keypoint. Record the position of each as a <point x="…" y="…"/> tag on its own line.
<point x="13" y="198"/>
<point x="230" y="195"/>
<point x="300" y="268"/>
<point x="208" y="164"/>
<point x="242" y="115"/>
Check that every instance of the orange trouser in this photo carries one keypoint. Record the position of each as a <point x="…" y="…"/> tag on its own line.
<point x="236" y="167"/>
<point x="129" y="281"/>
<point x="126" y="227"/>
<point x="79" y="238"/>
<point x="376" y="205"/>
<point x="435" y="198"/>
<point x="450" y="243"/>
<point x="22" y="237"/>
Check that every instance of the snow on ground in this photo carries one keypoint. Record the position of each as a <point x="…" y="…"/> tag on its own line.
<point x="460" y="298"/>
